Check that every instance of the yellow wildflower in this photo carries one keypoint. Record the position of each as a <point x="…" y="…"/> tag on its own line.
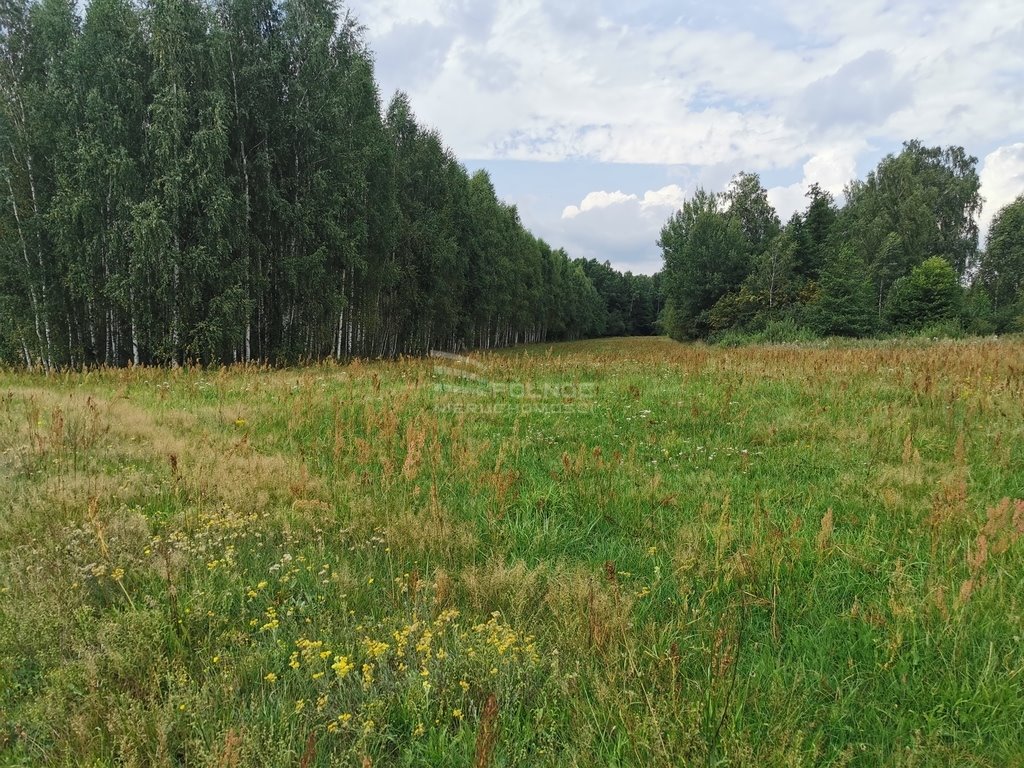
<point x="374" y="648"/>
<point x="342" y="666"/>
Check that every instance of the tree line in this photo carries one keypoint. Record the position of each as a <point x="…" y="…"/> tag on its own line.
<point x="216" y="181"/>
<point x="900" y="256"/>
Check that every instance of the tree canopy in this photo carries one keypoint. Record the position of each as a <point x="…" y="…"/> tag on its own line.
<point x="900" y="254"/>
<point x="219" y="181"/>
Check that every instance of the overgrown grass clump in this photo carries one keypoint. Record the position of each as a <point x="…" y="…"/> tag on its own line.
<point x="626" y="552"/>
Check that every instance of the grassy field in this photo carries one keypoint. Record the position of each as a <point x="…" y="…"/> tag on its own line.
<point x="626" y="552"/>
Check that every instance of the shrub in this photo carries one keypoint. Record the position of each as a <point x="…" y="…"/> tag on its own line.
<point x="929" y="294"/>
<point x="845" y="303"/>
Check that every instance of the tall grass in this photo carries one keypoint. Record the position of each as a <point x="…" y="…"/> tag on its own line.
<point x="625" y="552"/>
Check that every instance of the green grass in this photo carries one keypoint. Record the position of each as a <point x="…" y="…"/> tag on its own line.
<point x="648" y="553"/>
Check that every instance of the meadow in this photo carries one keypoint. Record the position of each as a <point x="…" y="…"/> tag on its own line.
<point x="626" y="552"/>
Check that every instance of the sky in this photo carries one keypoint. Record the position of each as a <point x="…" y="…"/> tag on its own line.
<point x="598" y="118"/>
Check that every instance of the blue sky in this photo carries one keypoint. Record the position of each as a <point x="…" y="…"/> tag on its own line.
<point x="597" y="119"/>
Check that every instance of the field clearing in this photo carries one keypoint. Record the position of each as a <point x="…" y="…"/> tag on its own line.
<point x="617" y="553"/>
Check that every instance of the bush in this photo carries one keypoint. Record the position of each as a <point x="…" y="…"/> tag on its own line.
<point x="782" y="331"/>
<point x="845" y="302"/>
<point x="930" y="294"/>
<point x="977" y="315"/>
<point x="944" y="329"/>
<point x="786" y="331"/>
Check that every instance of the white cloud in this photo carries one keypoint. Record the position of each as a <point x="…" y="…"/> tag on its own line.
<point x="1002" y="181"/>
<point x="594" y="201"/>
<point x="618" y="226"/>
<point x="592" y="80"/>
<point x="760" y="85"/>
<point x="831" y="168"/>
<point x="671" y="197"/>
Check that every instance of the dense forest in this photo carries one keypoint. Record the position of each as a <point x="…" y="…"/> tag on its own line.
<point x="900" y="256"/>
<point x="216" y="181"/>
<point x="219" y="181"/>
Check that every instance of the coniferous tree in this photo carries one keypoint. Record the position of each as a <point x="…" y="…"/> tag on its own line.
<point x="844" y="306"/>
<point x="929" y="294"/>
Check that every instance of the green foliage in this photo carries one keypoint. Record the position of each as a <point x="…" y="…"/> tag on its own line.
<point x="928" y="199"/>
<point x="950" y="328"/>
<point x="844" y="305"/>
<point x="746" y="200"/>
<point x="1001" y="266"/>
<point x="977" y="316"/>
<point x="214" y="181"/>
<point x="929" y="294"/>
<point x="813" y="231"/>
<point x="783" y="331"/>
<point x="774" y="276"/>
<point x="631" y="301"/>
<point x="705" y="257"/>
<point x="896" y="252"/>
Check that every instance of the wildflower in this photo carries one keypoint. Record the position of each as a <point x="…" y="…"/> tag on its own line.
<point x="117" y="574"/>
<point x="342" y="666"/>
<point x="368" y="726"/>
<point x="332" y="727"/>
<point x="321" y="702"/>
<point x="463" y="685"/>
<point x="270" y="677"/>
<point x="300" y="705"/>
<point x="216" y="659"/>
<point x="457" y="714"/>
<point x="418" y="731"/>
<point x="374" y="648"/>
